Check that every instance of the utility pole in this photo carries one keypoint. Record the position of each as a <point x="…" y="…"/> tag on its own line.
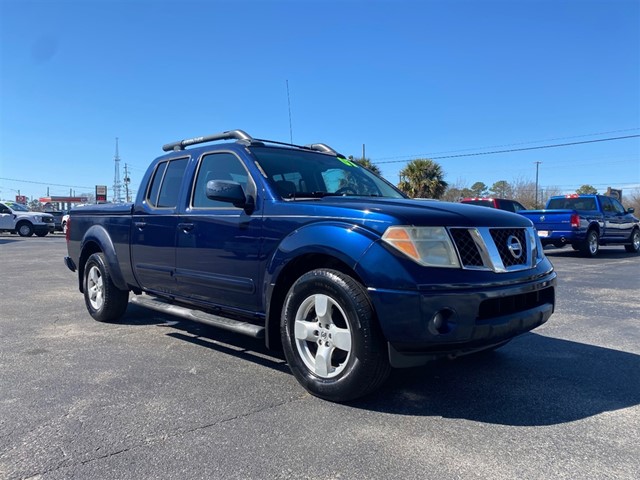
<point x="363" y="152"/>
<point x="537" y="166"/>
<point x="126" y="181"/>
<point x="116" y="177"/>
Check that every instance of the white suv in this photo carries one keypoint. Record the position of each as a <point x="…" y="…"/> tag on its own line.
<point x="16" y="218"/>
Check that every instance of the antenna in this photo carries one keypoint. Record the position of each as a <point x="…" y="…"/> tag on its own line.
<point x="289" y="104"/>
<point x="116" y="177"/>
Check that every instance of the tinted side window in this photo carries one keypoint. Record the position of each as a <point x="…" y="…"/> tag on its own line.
<point x="507" y="205"/>
<point x="165" y="184"/>
<point x="617" y="206"/>
<point x="517" y="206"/>
<point x="606" y="204"/>
<point x="217" y="166"/>
<point x="156" y="181"/>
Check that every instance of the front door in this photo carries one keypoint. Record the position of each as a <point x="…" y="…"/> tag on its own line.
<point x="7" y="220"/>
<point x="218" y="245"/>
<point x="617" y="222"/>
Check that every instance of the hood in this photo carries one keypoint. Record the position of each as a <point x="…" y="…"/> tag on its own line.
<point x="33" y="214"/>
<point x="420" y="212"/>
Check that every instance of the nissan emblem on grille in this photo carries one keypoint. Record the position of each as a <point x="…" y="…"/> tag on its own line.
<point x="514" y="246"/>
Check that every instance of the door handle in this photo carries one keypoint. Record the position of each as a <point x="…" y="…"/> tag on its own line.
<point x="185" y="227"/>
<point x="140" y="225"/>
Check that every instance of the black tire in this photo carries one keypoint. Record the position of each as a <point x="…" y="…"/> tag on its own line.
<point x="104" y="301"/>
<point x="64" y="227"/>
<point x="575" y="246"/>
<point x="635" y="242"/>
<point x="590" y="246"/>
<point x="355" y="368"/>
<point x="24" y="229"/>
<point x="42" y="234"/>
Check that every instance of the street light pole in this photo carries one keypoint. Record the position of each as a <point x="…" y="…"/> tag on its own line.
<point x="537" y="165"/>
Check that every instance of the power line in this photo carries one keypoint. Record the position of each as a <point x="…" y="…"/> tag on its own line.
<point x="512" y="144"/>
<point x="44" y="183"/>
<point x="511" y="150"/>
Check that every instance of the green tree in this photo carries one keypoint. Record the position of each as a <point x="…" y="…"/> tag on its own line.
<point x="479" y="189"/>
<point x="35" y="205"/>
<point x="422" y="178"/>
<point x="501" y="189"/>
<point x="366" y="163"/>
<point x="587" y="190"/>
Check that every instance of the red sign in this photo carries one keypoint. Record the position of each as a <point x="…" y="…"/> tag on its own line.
<point x="21" y="199"/>
<point x="101" y="193"/>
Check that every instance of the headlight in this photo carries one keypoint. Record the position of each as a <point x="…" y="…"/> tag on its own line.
<point x="37" y="219"/>
<point x="428" y="246"/>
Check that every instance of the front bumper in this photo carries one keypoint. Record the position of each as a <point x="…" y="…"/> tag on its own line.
<point x="422" y="325"/>
<point x="44" y="228"/>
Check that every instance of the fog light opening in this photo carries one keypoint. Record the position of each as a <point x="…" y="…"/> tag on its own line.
<point x="440" y="322"/>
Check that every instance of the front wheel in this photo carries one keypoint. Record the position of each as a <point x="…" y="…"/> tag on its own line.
<point x="590" y="246"/>
<point x="330" y="337"/>
<point x="25" y="229"/>
<point x="634" y="247"/>
<point x="104" y="301"/>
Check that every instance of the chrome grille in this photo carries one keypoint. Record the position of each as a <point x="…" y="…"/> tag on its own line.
<point x="503" y="238"/>
<point x="467" y="248"/>
<point x="495" y="249"/>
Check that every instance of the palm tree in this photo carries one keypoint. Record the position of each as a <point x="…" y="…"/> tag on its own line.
<point x="366" y="163"/>
<point x="422" y="178"/>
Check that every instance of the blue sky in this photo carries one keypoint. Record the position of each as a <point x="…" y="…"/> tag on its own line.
<point x="409" y="79"/>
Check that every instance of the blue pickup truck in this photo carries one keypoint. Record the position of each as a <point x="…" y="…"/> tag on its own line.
<point x="585" y="222"/>
<point x="317" y="255"/>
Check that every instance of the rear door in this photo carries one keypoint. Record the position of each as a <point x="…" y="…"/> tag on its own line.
<point x="218" y="254"/>
<point x="154" y="226"/>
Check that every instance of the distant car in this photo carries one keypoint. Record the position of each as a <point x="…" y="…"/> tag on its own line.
<point x="17" y="218"/>
<point x="499" y="203"/>
<point x="58" y="218"/>
<point x="64" y="222"/>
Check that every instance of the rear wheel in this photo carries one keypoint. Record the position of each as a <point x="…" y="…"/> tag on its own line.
<point x="635" y="242"/>
<point x="104" y="301"/>
<point x="330" y="337"/>
<point x="590" y="246"/>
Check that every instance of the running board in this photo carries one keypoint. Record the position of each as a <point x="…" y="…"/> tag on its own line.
<point x="164" y="306"/>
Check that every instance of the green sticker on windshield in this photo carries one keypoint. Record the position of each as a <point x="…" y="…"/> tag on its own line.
<point x="349" y="163"/>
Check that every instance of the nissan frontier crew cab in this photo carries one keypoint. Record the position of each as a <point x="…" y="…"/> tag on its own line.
<point x="317" y="255"/>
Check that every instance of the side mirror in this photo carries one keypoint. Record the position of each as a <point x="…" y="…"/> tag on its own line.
<point x="631" y="210"/>
<point x="227" y="191"/>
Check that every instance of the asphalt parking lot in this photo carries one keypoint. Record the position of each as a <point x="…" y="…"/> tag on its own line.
<point x="156" y="397"/>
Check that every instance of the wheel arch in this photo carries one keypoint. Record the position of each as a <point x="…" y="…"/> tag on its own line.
<point x="594" y="226"/>
<point x="308" y="249"/>
<point x="22" y="221"/>
<point x="95" y="240"/>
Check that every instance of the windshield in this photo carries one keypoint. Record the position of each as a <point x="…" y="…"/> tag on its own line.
<point x="296" y="173"/>
<point x="17" y="207"/>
